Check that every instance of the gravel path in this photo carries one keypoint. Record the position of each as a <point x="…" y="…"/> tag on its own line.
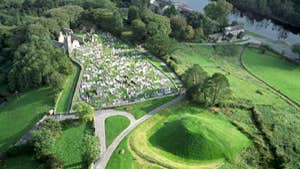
<point x="100" y="129"/>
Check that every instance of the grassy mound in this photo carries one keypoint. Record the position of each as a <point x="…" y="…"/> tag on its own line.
<point x="202" y="137"/>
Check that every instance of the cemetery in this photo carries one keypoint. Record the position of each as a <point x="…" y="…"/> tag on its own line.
<point x="115" y="74"/>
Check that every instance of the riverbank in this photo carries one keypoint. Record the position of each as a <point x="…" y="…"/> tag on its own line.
<point x="278" y="20"/>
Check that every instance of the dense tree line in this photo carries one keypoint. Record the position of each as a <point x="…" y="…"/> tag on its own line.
<point x="287" y="11"/>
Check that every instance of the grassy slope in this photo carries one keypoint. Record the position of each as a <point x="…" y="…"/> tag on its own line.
<point x="21" y="162"/>
<point x="280" y="120"/>
<point x="139" y="139"/>
<point x="199" y="137"/>
<point x="114" y="126"/>
<point x="20" y="113"/>
<point x="140" y="109"/>
<point x="68" y="146"/>
<point x="275" y="70"/>
<point x="62" y="103"/>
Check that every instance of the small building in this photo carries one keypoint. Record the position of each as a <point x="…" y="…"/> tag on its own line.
<point x="234" y="30"/>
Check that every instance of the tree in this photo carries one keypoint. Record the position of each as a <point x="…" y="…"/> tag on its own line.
<point x="90" y="149"/>
<point x="161" y="44"/>
<point x="43" y="141"/>
<point x="215" y="89"/>
<point x="199" y="35"/>
<point x="188" y="33"/>
<point x="219" y="10"/>
<point x="296" y="48"/>
<point x="133" y="13"/>
<point x="52" y="125"/>
<point x="194" y="76"/>
<point x="84" y="111"/>
<point x="171" y="11"/>
<point x="178" y="26"/>
<point x="139" y="29"/>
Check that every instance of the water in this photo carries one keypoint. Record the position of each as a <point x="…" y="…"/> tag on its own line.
<point x="263" y="27"/>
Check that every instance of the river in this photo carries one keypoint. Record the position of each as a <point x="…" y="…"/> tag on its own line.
<point x="262" y="27"/>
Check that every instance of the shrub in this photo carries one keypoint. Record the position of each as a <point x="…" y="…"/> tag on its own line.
<point x="90" y="149"/>
<point x="53" y="126"/>
<point x="43" y="141"/>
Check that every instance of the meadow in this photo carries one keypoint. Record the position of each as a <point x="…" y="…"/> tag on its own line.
<point x="275" y="70"/>
<point x="68" y="147"/>
<point x="21" y="112"/>
<point x="114" y="126"/>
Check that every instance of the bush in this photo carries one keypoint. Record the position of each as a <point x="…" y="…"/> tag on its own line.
<point x="90" y="149"/>
<point x="19" y="150"/>
<point x="43" y="141"/>
<point x="53" y="126"/>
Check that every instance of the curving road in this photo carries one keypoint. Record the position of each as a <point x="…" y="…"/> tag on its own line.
<point x="100" y="129"/>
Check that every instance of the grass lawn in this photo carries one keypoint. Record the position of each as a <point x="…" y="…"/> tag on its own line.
<point x="68" y="146"/>
<point x="114" y="126"/>
<point x="140" y="109"/>
<point x="63" y="103"/>
<point x="21" y="162"/>
<point x="281" y="74"/>
<point x="20" y="113"/>
<point x="208" y="135"/>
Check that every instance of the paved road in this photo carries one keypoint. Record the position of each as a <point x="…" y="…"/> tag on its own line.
<point x="100" y="129"/>
<point x="100" y="117"/>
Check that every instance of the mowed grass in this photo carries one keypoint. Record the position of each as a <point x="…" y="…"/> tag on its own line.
<point x="69" y="146"/>
<point x="63" y="102"/>
<point x="140" y="109"/>
<point x="21" y="112"/>
<point x="114" y="126"/>
<point x="275" y="70"/>
<point x="200" y="137"/>
<point x="207" y="144"/>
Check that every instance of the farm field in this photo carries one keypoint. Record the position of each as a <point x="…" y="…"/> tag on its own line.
<point x="275" y="71"/>
<point x="114" y="126"/>
<point x="62" y="104"/>
<point x="140" y="109"/>
<point x="68" y="147"/>
<point x="21" y="112"/>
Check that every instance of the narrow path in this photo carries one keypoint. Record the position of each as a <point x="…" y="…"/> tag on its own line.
<point x="274" y="90"/>
<point x="100" y="130"/>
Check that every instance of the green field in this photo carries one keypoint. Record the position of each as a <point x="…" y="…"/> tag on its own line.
<point x="199" y="137"/>
<point x="278" y="120"/>
<point x="64" y="101"/>
<point x="69" y="146"/>
<point x="275" y="70"/>
<point x="173" y="140"/>
<point x="21" y="112"/>
<point x="114" y="126"/>
<point x="140" y="109"/>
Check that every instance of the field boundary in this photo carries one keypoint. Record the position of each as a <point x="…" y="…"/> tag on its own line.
<point x="289" y="100"/>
